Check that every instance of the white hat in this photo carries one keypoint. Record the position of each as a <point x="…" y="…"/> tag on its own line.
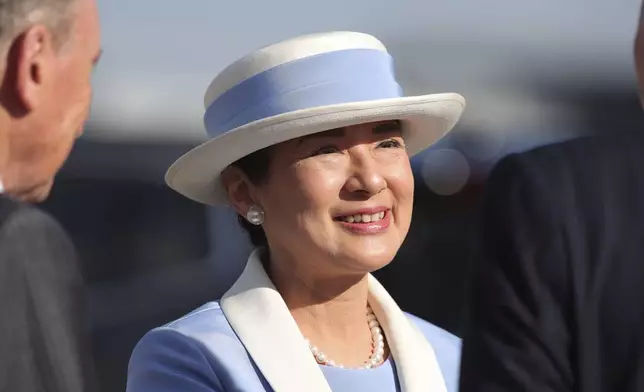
<point x="301" y="86"/>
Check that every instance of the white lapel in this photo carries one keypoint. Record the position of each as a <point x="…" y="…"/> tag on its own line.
<point x="416" y="364"/>
<point x="260" y="318"/>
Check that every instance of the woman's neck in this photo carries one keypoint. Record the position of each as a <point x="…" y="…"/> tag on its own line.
<point x="331" y="311"/>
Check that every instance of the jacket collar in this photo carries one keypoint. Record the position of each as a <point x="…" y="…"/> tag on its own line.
<point x="260" y="318"/>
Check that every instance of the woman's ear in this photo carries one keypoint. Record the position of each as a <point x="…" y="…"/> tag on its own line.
<point x="238" y="188"/>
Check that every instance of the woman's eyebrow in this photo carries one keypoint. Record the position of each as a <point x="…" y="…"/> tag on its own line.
<point x="337" y="132"/>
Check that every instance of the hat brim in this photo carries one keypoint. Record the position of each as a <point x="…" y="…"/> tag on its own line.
<point x="425" y="119"/>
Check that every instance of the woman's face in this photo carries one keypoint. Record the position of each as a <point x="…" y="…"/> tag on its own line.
<point x="344" y="195"/>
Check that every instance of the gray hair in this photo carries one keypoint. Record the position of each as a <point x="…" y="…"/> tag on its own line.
<point x="17" y="15"/>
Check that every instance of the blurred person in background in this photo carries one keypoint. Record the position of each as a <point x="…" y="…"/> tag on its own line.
<point x="48" y="48"/>
<point x="557" y="301"/>
<point x="311" y="140"/>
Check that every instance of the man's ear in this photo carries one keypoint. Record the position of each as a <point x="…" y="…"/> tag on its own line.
<point x="31" y="60"/>
<point x="238" y="188"/>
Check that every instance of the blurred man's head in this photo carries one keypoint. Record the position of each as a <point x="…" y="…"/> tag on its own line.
<point x="48" y="49"/>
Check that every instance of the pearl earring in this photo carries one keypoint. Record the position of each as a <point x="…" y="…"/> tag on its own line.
<point x="255" y="215"/>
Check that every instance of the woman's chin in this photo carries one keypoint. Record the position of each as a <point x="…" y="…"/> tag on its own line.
<point x="369" y="259"/>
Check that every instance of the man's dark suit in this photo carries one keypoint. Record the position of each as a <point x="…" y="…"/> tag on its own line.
<point x="558" y="291"/>
<point x="43" y="332"/>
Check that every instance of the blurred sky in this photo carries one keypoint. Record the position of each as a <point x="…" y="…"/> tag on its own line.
<point x="160" y="55"/>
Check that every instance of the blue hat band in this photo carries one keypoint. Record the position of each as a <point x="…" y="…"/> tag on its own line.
<point x="331" y="78"/>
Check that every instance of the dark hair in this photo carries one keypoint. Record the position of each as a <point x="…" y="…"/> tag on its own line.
<point x="256" y="167"/>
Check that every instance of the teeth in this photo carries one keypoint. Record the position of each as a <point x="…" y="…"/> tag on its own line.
<point x="366" y="218"/>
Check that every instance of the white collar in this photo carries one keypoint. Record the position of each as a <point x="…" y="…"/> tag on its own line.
<point x="260" y="318"/>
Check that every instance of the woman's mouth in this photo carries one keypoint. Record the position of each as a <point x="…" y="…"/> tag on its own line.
<point x="366" y="222"/>
<point x="363" y="218"/>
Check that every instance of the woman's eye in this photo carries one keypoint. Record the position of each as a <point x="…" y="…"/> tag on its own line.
<point x="391" y="143"/>
<point x="326" y="150"/>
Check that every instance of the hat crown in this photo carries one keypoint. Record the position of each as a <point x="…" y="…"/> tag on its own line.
<point x="284" y="52"/>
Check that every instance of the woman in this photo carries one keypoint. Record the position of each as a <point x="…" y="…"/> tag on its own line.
<point x="310" y="145"/>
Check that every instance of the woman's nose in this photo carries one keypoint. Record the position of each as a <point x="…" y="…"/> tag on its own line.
<point x="365" y="177"/>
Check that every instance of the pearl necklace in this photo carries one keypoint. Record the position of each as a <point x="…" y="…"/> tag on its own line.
<point x="377" y="350"/>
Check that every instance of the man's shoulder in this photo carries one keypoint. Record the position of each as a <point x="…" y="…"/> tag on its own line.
<point x="590" y="152"/>
<point x="18" y="216"/>
<point x="581" y="165"/>
<point x="29" y="232"/>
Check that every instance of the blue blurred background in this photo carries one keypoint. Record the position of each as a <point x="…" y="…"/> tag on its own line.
<point x="532" y="72"/>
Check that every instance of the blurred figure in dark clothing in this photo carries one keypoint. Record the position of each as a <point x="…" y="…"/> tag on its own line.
<point x="48" y="49"/>
<point x="557" y="301"/>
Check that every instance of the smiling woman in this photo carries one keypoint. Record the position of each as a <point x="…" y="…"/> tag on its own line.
<point x="311" y="140"/>
<point x="321" y="192"/>
<point x="321" y="148"/>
